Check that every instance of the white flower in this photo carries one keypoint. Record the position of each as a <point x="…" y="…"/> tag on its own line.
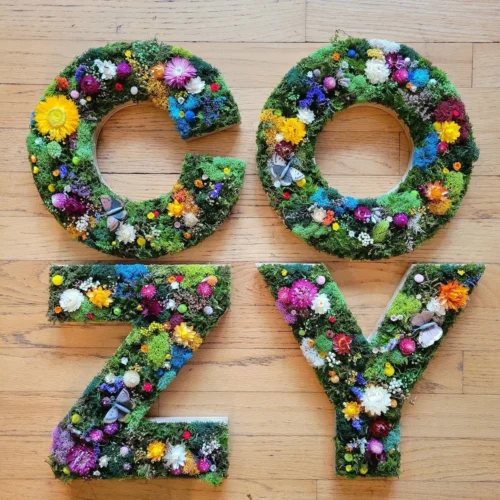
<point x="305" y="115"/>
<point x="365" y="239"/>
<point x="385" y="46"/>
<point x="71" y="300"/>
<point x="279" y="137"/>
<point x="190" y="219"/>
<point x="376" y="400"/>
<point x="430" y="336"/>
<point x="377" y="71"/>
<point x="436" y="307"/>
<point x="106" y="68"/>
<point x="318" y="215"/>
<point x="195" y="85"/>
<point x="174" y="285"/>
<point x="104" y="461"/>
<point x="124" y="361"/>
<point x="83" y="102"/>
<point x="321" y="304"/>
<point x="110" y="378"/>
<point x="171" y="304"/>
<point x="125" y="233"/>
<point x="311" y="354"/>
<point x="175" y="456"/>
<point x="131" y="378"/>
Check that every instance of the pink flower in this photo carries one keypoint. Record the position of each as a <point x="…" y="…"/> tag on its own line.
<point x="407" y="346"/>
<point x="303" y="293"/>
<point x="147" y="387"/>
<point x="284" y="295"/>
<point x="81" y="460"/>
<point x="148" y="291"/>
<point x="375" y="446"/>
<point x="286" y="313"/>
<point x="59" y="200"/>
<point x="203" y="465"/>
<point x="400" y="75"/>
<point x="90" y="85"/>
<point x="362" y="213"/>
<point x="178" y="72"/>
<point x="204" y="289"/>
<point x="400" y="220"/>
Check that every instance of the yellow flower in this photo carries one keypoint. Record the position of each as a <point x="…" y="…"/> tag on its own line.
<point x="448" y="131"/>
<point x="56" y="117"/>
<point x="227" y="170"/>
<point x="175" y="209"/>
<point x="293" y="130"/>
<point x="190" y="467"/>
<point x="186" y="336"/>
<point x="128" y="53"/>
<point x="150" y="215"/>
<point x="363" y="469"/>
<point x="375" y="53"/>
<point x="156" y="450"/>
<point x="57" y="280"/>
<point x="351" y="410"/>
<point x="335" y="226"/>
<point x="301" y="182"/>
<point x="100" y="297"/>
<point x="141" y="241"/>
<point x="284" y="272"/>
<point x="348" y="468"/>
<point x="439" y="207"/>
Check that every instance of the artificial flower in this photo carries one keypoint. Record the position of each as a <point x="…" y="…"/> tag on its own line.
<point x="186" y="336"/>
<point x="57" y="117"/>
<point x="178" y="72"/>
<point x="303" y="293"/>
<point x="148" y="291"/>
<point x="71" y="300"/>
<point x="318" y="215"/>
<point x="293" y="130"/>
<point x="380" y="428"/>
<point x="435" y="191"/>
<point x="439" y="207"/>
<point x="106" y="68"/>
<point x="321" y="304"/>
<point x="376" y="400"/>
<point x="81" y="460"/>
<point x="362" y="213"/>
<point x="100" y="297"/>
<point x="386" y="46"/>
<point x="351" y="410"/>
<point x="195" y="85"/>
<point x="175" y="456"/>
<point x="342" y="343"/>
<point x="375" y="447"/>
<point x="453" y="295"/>
<point x="305" y="115"/>
<point x="125" y="233"/>
<point x="448" y="132"/>
<point x="434" y="305"/>
<point x="204" y="289"/>
<point x="190" y="220"/>
<point x="376" y="71"/>
<point x="175" y="209"/>
<point x="310" y="353"/>
<point x="156" y="451"/>
<point x="131" y="378"/>
<point x="89" y="85"/>
<point x="123" y="70"/>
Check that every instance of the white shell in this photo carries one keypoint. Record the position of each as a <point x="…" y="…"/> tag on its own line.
<point x="428" y="337"/>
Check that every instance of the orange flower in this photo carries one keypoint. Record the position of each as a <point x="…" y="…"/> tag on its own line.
<point x="457" y="166"/>
<point x="58" y="309"/>
<point x="435" y="191"/>
<point x="144" y="348"/>
<point x="336" y="56"/>
<point x="439" y="207"/>
<point x="329" y="219"/>
<point x="453" y="295"/>
<point x="171" y="279"/>
<point x="198" y="183"/>
<point x="62" y="83"/>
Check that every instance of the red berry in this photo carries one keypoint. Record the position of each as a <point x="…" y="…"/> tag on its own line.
<point x="442" y="147"/>
<point x="286" y="195"/>
<point x="119" y="87"/>
<point x="90" y="316"/>
<point x="186" y="435"/>
<point x="214" y="87"/>
<point x="156" y="213"/>
<point x="332" y="319"/>
<point x="179" y="278"/>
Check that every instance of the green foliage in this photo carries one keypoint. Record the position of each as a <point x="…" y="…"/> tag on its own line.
<point x="404" y="305"/>
<point x="403" y="202"/>
<point x="380" y="231"/>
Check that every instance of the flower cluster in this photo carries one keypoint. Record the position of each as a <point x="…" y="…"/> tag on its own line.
<point x="172" y="309"/>
<point x="330" y="80"/>
<point x="61" y="147"/>
<point x="369" y="380"/>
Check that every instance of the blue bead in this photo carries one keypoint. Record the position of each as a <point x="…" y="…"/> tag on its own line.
<point x="190" y="116"/>
<point x="351" y="53"/>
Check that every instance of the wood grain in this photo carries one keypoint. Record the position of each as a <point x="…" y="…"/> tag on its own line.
<point x="250" y="367"/>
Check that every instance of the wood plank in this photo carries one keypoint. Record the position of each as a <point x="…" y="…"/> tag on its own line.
<point x="481" y="375"/>
<point x="426" y="21"/>
<point x="486" y="72"/>
<point x="234" y="21"/>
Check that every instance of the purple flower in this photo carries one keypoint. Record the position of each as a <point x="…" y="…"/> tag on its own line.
<point x="151" y="307"/>
<point x="80" y="72"/>
<point x="375" y="446"/>
<point x="127" y="467"/>
<point x="400" y="220"/>
<point x="111" y="429"/>
<point x="360" y="379"/>
<point x="96" y="435"/>
<point x="178" y="72"/>
<point x="74" y="206"/>
<point x="362" y="213"/>
<point x="123" y="70"/>
<point x="81" y="460"/>
<point x="176" y="319"/>
<point x="204" y="289"/>
<point x="394" y="61"/>
<point x="80" y="189"/>
<point x="148" y="291"/>
<point x="400" y="75"/>
<point x="329" y="83"/>
<point x="357" y="424"/>
<point x="58" y="200"/>
<point x="63" y="171"/>
<point x="90" y="85"/>
<point x="62" y="442"/>
<point x="303" y="293"/>
<point x="284" y="295"/>
<point x="204" y="465"/>
<point x="314" y="95"/>
<point x="286" y="313"/>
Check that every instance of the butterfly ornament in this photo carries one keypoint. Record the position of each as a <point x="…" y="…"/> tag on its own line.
<point x="282" y="173"/>
<point x="429" y="331"/>
<point x="122" y="406"/>
<point x="114" y="211"/>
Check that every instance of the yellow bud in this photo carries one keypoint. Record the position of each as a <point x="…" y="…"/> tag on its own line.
<point x="66" y="471"/>
<point x="75" y="418"/>
<point x="57" y="280"/>
<point x="284" y="272"/>
<point x="301" y="183"/>
<point x="36" y="170"/>
<point x="51" y="188"/>
<point x="389" y="369"/>
<point x="335" y="226"/>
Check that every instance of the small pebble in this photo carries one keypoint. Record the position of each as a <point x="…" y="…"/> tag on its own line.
<point x="320" y="280"/>
<point x="134" y="90"/>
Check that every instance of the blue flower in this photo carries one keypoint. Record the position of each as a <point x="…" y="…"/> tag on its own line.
<point x="63" y="171"/>
<point x="357" y="424"/>
<point x="211" y="108"/>
<point x="360" y="379"/>
<point x="419" y="77"/>
<point x="80" y="72"/>
<point x="357" y="392"/>
<point x="214" y="194"/>
<point x="183" y="113"/>
<point x="339" y="211"/>
<point x="472" y="281"/>
<point x="320" y="198"/>
<point x="180" y="356"/>
<point x="427" y="154"/>
<point x="350" y="203"/>
<point x="131" y="272"/>
<point x="315" y="94"/>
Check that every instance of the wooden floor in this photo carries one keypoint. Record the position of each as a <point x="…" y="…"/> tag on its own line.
<point x="250" y="369"/>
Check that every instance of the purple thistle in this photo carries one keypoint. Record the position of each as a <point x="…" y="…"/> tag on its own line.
<point x="62" y="442"/>
<point x="81" y="460"/>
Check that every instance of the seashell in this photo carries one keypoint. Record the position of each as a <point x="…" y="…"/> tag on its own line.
<point x="430" y="335"/>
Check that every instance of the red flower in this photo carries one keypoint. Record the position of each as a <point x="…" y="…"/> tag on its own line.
<point x="62" y="83"/>
<point x="286" y="195"/>
<point x="380" y="428"/>
<point x="179" y="278"/>
<point x="214" y="87"/>
<point x="332" y="319"/>
<point x="90" y="316"/>
<point x="342" y="343"/>
<point x="118" y="87"/>
<point x="147" y="387"/>
<point x="156" y="213"/>
<point x="186" y="435"/>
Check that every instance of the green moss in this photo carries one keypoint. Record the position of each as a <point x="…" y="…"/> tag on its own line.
<point x="323" y="344"/>
<point x="380" y="231"/>
<point x="455" y="183"/>
<point x="158" y="348"/>
<point x="400" y="202"/>
<point x="404" y="305"/>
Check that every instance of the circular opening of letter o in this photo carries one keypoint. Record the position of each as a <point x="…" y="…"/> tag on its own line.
<point x="64" y="130"/>
<point x="380" y="73"/>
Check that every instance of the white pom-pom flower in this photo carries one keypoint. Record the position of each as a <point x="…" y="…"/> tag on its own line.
<point x="386" y="46"/>
<point x="106" y="68"/>
<point x="175" y="456"/>
<point x="376" y="71"/>
<point x="195" y="85"/>
<point x="318" y="215"/>
<point x="321" y="304"/>
<point x="376" y="400"/>
<point x="125" y="233"/>
<point x="131" y="378"/>
<point x="305" y="115"/>
<point x="71" y="300"/>
<point x="435" y="306"/>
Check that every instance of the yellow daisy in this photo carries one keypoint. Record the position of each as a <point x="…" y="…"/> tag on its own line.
<point x="293" y="130"/>
<point x="175" y="209"/>
<point x="351" y="410"/>
<point x="448" y="131"/>
<point x="56" y="117"/>
<point x="184" y="335"/>
<point x="100" y="297"/>
<point x="156" y="450"/>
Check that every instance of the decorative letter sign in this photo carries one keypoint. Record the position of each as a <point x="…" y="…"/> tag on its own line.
<point x="368" y="380"/>
<point x="172" y="310"/>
